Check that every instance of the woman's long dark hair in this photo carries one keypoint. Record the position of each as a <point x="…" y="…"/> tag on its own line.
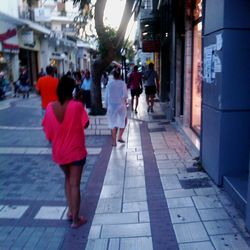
<point x="65" y="88"/>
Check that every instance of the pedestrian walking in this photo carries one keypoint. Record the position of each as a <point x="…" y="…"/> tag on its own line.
<point x="64" y="123"/>
<point x="24" y="82"/>
<point x="86" y="87"/>
<point x="135" y="85"/>
<point x="116" y="102"/>
<point x="47" y="88"/>
<point x="78" y="81"/>
<point x="104" y="79"/>
<point x="41" y="73"/>
<point x="151" y="86"/>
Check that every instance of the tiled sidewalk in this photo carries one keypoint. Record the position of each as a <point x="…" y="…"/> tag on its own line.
<point x="144" y="194"/>
<point x="154" y="198"/>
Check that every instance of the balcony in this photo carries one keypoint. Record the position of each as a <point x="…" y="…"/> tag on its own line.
<point x="27" y="14"/>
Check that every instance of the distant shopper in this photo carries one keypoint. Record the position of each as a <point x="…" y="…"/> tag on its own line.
<point x="104" y="79"/>
<point x="24" y="82"/>
<point x="116" y="103"/>
<point x="64" y="123"/>
<point x="41" y="73"/>
<point x="47" y="87"/>
<point x="135" y="85"/>
<point x="151" y="86"/>
<point x="78" y="81"/>
<point x="86" y="87"/>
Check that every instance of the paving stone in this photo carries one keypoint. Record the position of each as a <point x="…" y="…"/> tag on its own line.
<point x="181" y="215"/>
<point x="134" y="171"/>
<point x="13" y="211"/>
<point x="135" y="206"/>
<point x="135" y="181"/>
<point x="202" y="202"/>
<point x="95" y="232"/>
<point x="170" y="182"/>
<point x="126" y="230"/>
<point x="119" y="218"/>
<point x="109" y="205"/>
<point x="50" y="213"/>
<point x="170" y="164"/>
<point x="205" y="191"/>
<point x="180" y="202"/>
<point x="134" y="194"/>
<point x="114" y="244"/>
<point x="196" y="175"/>
<point x="229" y="241"/>
<point x="213" y="214"/>
<point x="190" y="232"/>
<point x="144" y="216"/>
<point x="177" y="193"/>
<point x="97" y="244"/>
<point x="220" y="227"/>
<point x="170" y="171"/>
<point x="205" y="245"/>
<point x="138" y="243"/>
<point x="111" y="191"/>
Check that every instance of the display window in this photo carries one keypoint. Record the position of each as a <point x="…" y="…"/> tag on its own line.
<point x="197" y="68"/>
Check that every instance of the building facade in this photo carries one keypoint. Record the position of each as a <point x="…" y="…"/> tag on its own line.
<point x="204" y="68"/>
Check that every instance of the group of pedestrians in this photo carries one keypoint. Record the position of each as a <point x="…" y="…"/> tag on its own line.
<point x="65" y="119"/>
<point x="117" y="94"/>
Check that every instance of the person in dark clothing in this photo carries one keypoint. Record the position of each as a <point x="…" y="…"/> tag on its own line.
<point x="24" y="82"/>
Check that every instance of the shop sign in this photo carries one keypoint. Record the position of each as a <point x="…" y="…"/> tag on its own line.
<point x="7" y="47"/>
<point x="151" y="46"/>
<point x="28" y="38"/>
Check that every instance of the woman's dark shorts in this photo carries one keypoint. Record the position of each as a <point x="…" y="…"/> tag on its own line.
<point x="150" y="90"/>
<point x="135" y="92"/>
<point x="79" y="163"/>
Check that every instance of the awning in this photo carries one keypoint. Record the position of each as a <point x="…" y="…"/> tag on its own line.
<point x="36" y="27"/>
<point x="6" y="18"/>
<point x="32" y="25"/>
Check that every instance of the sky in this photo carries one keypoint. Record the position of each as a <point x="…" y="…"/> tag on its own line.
<point x="113" y="14"/>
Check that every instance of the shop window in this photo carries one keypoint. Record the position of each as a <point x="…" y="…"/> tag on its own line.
<point x="197" y="67"/>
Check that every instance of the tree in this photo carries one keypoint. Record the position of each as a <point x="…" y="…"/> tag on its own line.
<point x="111" y="43"/>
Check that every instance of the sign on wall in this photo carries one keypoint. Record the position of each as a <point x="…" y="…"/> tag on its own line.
<point x="28" y="37"/>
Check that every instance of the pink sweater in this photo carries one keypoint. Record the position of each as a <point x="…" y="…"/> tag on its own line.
<point x="67" y="138"/>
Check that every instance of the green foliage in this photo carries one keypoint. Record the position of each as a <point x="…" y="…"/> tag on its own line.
<point x="130" y="51"/>
<point x="107" y="40"/>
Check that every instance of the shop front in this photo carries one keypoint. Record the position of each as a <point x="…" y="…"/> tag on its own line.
<point x="196" y="68"/>
<point x="28" y="55"/>
<point x="9" y="50"/>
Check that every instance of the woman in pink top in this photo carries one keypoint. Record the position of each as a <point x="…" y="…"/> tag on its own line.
<point x="64" y="124"/>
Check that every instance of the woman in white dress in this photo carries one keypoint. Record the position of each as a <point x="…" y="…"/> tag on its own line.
<point x="116" y="100"/>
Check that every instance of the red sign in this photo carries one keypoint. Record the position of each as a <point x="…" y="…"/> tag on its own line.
<point x="151" y="46"/>
<point x="6" y="35"/>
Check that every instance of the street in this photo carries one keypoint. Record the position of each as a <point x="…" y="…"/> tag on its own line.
<point x="144" y="194"/>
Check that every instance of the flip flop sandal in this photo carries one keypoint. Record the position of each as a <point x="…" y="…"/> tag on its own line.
<point x="81" y="221"/>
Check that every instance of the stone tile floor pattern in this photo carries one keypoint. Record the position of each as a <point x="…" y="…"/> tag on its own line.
<point x="202" y="216"/>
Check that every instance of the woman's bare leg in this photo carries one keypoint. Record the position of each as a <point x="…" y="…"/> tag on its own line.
<point x="114" y="132"/>
<point x="136" y="103"/>
<point x="75" y="195"/>
<point x="132" y="103"/>
<point x="121" y="131"/>
<point x="65" y="169"/>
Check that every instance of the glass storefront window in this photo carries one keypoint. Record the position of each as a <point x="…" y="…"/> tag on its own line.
<point x="197" y="66"/>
